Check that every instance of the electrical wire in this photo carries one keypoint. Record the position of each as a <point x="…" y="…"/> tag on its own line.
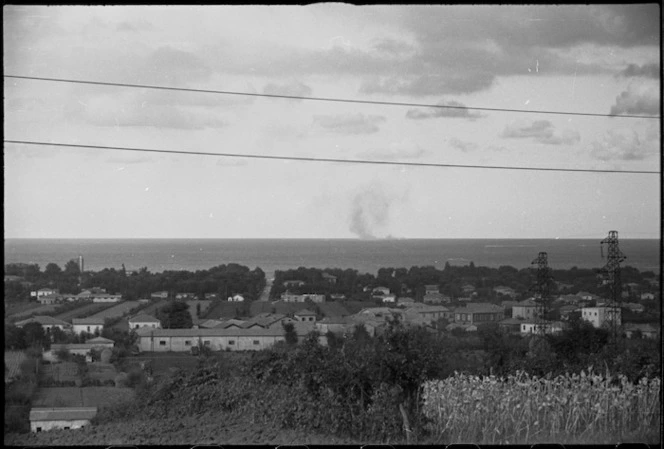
<point x="337" y="100"/>
<point x="310" y="159"/>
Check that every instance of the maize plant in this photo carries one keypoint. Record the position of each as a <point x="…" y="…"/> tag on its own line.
<point x="522" y="409"/>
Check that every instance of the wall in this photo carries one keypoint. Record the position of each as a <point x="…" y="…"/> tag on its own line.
<point x="49" y="425"/>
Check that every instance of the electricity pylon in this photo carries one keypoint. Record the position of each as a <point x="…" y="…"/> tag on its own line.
<point x="610" y="275"/>
<point x="542" y="291"/>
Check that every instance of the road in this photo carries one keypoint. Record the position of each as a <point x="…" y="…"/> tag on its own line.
<point x="265" y="295"/>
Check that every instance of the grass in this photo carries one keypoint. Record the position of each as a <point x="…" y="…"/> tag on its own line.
<point x="65" y="371"/>
<point x="523" y="410"/>
<point x="84" y="311"/>
<point x="118" y="310"/>
<point x="162" y="363"/>
<point x="13" y="361"/>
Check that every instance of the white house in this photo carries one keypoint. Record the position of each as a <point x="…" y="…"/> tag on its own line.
<point x="44" y="419"/>
<point x="159" y="295"/>
<point x="428" y="289"/>
<point x="144" y="320"/>
<point x="389" y="299"/>
<point x="97" y="343"/>
<point x="89" y="325"/>
<point x="380" y="291"/>
<point x="236" y="298"/>
<point x="305" y="315"/>
<point x="601" y="315"/>
<point x="547" y="327"/>
<point x="647" y="295"/>
<point x="527" y="309"/>
<point x="43" y="292"/>
<point x="105" y="297"/>
<point x="49" y="299"/>
<point x="290" y="297"/>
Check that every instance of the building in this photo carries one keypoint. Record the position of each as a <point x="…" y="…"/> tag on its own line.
<point x="159" y="295"/>
<point x="291" y="297"/>
<point x="566" y="311"/>
<point x="105" y="297"/>
<point x="646" y="330"/>
<point x="144" y="320"/>
<point x="236" y="298"/>
<point x="336" y="325"/>
<point x="46" y="322"/>
<point x="602" y="315"/>
<point x="294" y="283"/>
<point x="49" y="299"/>
<point x="431" y="288"/>
<point x="429" y="314"/>
<point x="232" y="339"/>
<point x="89" y="325"/>
<point x="329" y="278"/>
<point x="389" y="299"/>
<point x="507" y="291"/>
<point x="510" y="325"/>
<point x="478" y="313"/>
<point x="547" y="327"/>
<point x="268" y="320"/>
<point x="45" y="419"/>
<point x="634" y="307"/>
<point x="436" y="298"/>
<point x="405" y="301"/>
<point x="185" y="296"/>
<point x="647" y="296"/>
<point x="305" y="315"/>
<point x="84" y="349"/>
<point x="43" y="292"/>
<point x="527" y="309"/>
<point x="380" y="291"/>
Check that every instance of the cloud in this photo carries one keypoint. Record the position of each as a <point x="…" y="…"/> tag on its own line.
<point x="172" y="67"/>
<point x="637" y="100"/>
<point x="541" y="131"/>
<point x="350" y="124"/>
<point x="292" y="89"/>
<point x="625" y="144"/>
<point x="129" y="159"/>
<point x="398" y="151"/>
<point x="449" y="82"/>
<point x="652" y="70"/>
<point x="463" y="146"/>
<point x="370" y="210"/>
<point x="454" y="110"/>
<point x="128" y="110"/>
<point x="231" y="162"/>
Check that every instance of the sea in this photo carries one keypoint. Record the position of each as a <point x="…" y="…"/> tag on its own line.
<point x="366" y="256"/>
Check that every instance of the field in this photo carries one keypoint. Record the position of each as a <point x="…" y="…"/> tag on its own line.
<point x="13" y="361"/>
<point x="30" y="309"/>
<point x="14" y="308"/>
<point x="520" y="409"/>
<point x="154" y="305"/>
<point x="101" y="371"/>
<point x="65" y="371"/>
<point x="81" y="397"/>
<point x="85" y="310"/>
<point x="117" y="310"/>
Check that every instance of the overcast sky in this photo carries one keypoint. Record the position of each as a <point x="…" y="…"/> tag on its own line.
<point x="591" y="59"/>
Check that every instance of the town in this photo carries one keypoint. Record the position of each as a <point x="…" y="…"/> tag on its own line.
<point x="89" y="337"/>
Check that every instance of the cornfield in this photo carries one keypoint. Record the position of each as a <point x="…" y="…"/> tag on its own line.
<point x="523" y="409"/>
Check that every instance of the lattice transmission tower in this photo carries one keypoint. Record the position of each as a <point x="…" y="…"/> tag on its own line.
<point x="610" y="275"/>
<point x="542" y="291"/>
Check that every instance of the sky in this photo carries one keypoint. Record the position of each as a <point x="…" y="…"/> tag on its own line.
<point x="598" y="59"/>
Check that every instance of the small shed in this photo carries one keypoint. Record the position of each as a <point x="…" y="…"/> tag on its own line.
<point x="43" y="419"/>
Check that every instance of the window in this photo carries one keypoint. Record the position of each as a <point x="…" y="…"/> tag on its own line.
<point x="88" y="328"/>
<point x="231" y="342"/>
<point x="66" y="428"/>
<point x="136" y="327"/>
<point x="187" y="342"/>
<point x="206" y="343"/>
<point x="162" y="343"/>
<point x="39" y="429"/>
<point x="256" y="342"/>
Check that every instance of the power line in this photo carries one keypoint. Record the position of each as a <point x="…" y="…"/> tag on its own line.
<point x="337" y="100"/>
<point x="311" y="159"/>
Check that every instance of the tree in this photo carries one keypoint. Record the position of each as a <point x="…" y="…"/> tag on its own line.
<point x="52" y="271"/>
<point x="35" y="336"/>
<point x="14" y="338"/>
<point x="176" y="316"/>
<point x="290" y="334"/>
<point x="72" y="269"/>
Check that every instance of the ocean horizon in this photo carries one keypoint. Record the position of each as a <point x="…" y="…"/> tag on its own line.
<point x="366" y="256"/>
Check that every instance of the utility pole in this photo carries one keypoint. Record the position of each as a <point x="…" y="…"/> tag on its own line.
<point x="542" y="291"/>
<point x="610" y="275"/>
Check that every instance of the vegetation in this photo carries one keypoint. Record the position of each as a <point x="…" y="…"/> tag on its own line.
<point x="175" y="316"/>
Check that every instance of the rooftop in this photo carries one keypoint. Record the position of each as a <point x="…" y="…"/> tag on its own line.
<point x="62" y="413"/>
